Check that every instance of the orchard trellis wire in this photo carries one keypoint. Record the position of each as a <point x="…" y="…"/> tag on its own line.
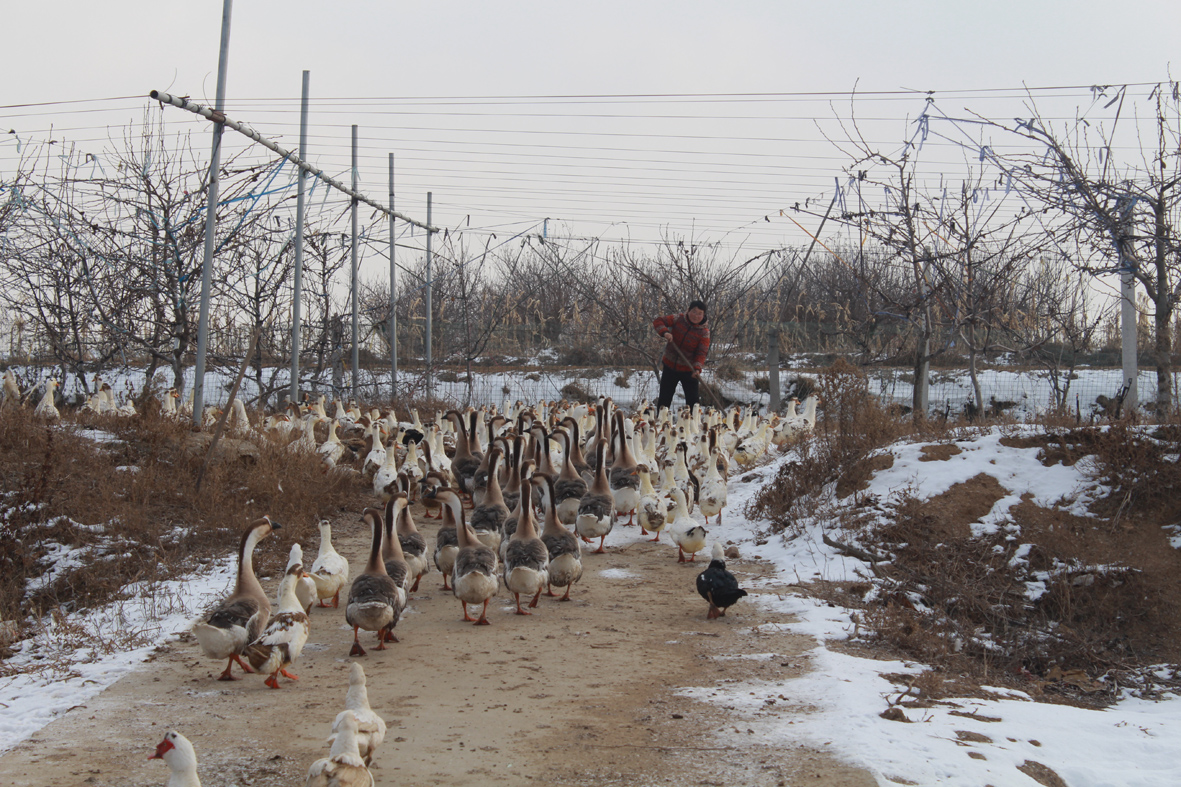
<point x="512" y="288"/>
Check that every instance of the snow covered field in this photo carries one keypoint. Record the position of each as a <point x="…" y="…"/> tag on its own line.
<point x="1028" y="392"/>
<point x="1132" y="743"/>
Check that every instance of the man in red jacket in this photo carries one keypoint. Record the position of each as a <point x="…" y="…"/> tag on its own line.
<point x="688" y="345"/>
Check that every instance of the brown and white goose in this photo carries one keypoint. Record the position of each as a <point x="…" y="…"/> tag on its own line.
<point x="473" y="577"/>
<point x="596" y="509"/>
<point x="180" y="757"/>
<point x="392" y="555"/>
<point x="375" y="600"/>
<point x="283" y="639"/>
<point x="242" y="616"/>
<point x="562" y="546"/>
<point x="526" y="560"/>
<point x="652" y="512"/>
<point x="413" y="547"/>
<point x="686" y="533"/>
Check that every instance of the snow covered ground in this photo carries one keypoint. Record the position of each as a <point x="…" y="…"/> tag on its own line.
<point x="1132" y="743"/>
<point x="1025" y="392"/>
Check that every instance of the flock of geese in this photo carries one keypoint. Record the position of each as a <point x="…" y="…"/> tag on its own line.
<point x="516" y="500"/>
<point x="518" y="491"/>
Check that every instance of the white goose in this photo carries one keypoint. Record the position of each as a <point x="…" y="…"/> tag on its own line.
<point x="46" y="408"/>
<point x="331" y="570"/>
<point x="180" y="757"/>
<point x="713" y="489"/>
<point x="343" y="767"/>
<point x="687" y="534"/>
<point x="370" y="727"/>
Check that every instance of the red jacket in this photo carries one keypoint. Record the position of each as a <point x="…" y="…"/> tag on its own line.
<point x="693" y="341"/>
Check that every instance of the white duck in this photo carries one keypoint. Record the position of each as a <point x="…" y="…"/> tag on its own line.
<point x="243" y="615"/>
<point x="285" y="635"/>
<point x="343" y="767"/>
<point x="687" y="534"/>
<point x="370" y="727"/>
<point x="331" y="570"/>
<point x="181" y="758"/>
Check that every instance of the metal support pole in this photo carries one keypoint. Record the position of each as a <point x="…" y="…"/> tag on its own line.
<point x="211" y="219"/>
<point x="297" y="285"/>
<point x="393" y="296"/>
<point x="773" y="370"/>
<point x="1128" y="342"/>
<point x="353" y="266"/>
<point x="429" y="299"/>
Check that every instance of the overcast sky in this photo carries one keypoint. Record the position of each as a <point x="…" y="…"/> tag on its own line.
<point x="611" y="168"/>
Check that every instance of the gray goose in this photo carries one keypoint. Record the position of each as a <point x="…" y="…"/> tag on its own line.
<point x="465" y="463"/>
<point x="565" y="552"/>
<point x="392" y="556"/>
<point x="473" y="578"/>
<point x="526" y="560"/>
<point x="624" y="478"/>
<point x="375" y="600"/>
<point x="487" y="519"/>
<point x="570" y="485"/>
<point x="243" y="615"/>
<point x="596" y="509"/>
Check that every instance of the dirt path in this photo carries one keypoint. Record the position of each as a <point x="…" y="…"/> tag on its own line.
<point x="579" y="693"/>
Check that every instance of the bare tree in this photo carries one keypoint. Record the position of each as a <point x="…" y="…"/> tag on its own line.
<point x="1120" y="215"/>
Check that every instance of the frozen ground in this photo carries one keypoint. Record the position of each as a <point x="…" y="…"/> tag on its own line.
<point x="1132" y="743"/>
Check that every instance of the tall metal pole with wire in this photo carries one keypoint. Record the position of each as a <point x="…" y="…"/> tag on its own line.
<point x="393" y="296"/>
<point x="353" y="265"/>
<point x="297" y="284"/>
<point x="429" y="298"/>
<point x="210" y="216"/>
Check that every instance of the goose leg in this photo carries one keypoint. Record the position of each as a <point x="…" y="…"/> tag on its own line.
<point x="287" y="674"/>
<point x="414" y="587"/>
<point x="549" y="590"/>
<point x="357" y="650"/>
<point x="567" y="596"/>
<point x="600" y="550"/>
<point x="227" y="675"/>
<point x="483" y="621"/>
<point x="657" y="533"/>
<point x="536" y="596"/>
<point x="336" y="600"/>
<point x="245" y="667"/>
<point x="273" y="680"/>
<point x="680" y="555"/>
<point x="520" y="611"/>
<point x="387" y="635"/>
<point x="466" y="617"/>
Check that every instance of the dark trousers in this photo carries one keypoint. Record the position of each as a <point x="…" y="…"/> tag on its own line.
<point x="669" y="378"/>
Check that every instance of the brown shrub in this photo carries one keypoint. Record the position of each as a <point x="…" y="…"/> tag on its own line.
<point x="131" y="502"/>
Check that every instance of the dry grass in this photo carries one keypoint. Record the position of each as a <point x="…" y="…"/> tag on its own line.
<point x="130" y="503"/>
<point x="1050" y="602"/>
